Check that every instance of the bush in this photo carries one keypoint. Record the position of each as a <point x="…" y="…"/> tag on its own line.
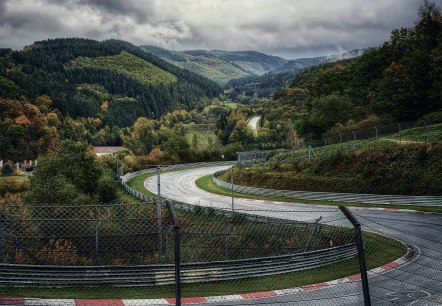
<point x="434" y="117"/>
<point x="8" y="169"/>
<point x="107" y="188"/>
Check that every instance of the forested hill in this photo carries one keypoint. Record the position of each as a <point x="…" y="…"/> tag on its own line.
<point x="112" y="78"/>
<point x="245" y="89"/>
<point x="399" y="81"/>
<point x="220" y="66"/>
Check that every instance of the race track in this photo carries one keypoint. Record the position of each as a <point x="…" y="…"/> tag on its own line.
<point x="416" y="283"/>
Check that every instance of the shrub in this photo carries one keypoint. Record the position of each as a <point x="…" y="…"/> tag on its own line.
<point x="8" y="169"/>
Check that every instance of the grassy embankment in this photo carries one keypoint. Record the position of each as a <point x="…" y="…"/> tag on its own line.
<point x="365" y="166"/>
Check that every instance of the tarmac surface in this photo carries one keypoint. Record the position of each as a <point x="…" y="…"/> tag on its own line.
<point x="417" y="283"/>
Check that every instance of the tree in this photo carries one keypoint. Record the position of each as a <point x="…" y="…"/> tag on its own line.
<point x="195" y="141"/>
<point x="67" y="176"/>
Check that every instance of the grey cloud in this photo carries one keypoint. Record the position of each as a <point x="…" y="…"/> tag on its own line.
<point x="284" y="27"/>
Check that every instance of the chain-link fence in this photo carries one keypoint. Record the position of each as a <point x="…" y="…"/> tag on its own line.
<point x="406" y="132"/>
<point x="170" y="252"/>
<point x="126" y="250"/>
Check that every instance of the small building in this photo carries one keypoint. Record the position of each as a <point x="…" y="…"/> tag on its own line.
<point x="100" y="151"/>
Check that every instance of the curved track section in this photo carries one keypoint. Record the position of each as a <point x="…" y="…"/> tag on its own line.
<point x="417" y="283"/>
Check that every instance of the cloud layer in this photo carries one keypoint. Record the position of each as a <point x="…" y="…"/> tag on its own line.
<point x="284" y="27"/>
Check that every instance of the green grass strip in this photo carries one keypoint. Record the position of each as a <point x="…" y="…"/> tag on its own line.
<point x="206" y="183"/>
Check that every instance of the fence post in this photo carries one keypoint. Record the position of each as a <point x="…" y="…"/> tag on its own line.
<point x="399" y="131"/>
<point x="425" y="132"/>
<point x="376" y="129"/>
<point x="177" y="232"/>
<point x="159" y="221"/>
<point x="315" y="231"/>
<point x="238" y="154"/>
<point x="231" y="183"/>
<point x="361" y="253"/>
<point x="97" y="242"/>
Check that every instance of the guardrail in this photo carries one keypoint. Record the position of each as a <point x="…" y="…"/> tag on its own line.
<point x="332" y="196"/>
<point x="153" y="275"/>
<point x="131" y="175"/>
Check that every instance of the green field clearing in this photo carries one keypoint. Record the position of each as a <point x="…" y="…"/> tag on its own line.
<point x="431" y="133"/>
<point x="231" y="105"/>
<point x="128" y="64"/>
<point x="17" y="178"/>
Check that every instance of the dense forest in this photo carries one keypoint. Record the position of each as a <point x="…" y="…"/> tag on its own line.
<point x="398" y="81"/>
<point x="57" y="67"/>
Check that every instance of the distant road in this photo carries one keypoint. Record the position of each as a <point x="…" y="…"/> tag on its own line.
<point x="253" y="124"/>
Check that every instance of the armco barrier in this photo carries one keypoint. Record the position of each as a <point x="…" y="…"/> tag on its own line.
<point x="152" y="275"/>
<point x="435" y="201"/>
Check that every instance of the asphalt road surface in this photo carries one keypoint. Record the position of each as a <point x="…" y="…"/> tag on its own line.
<point x="253" y="124"/>
<point x="417" y="283"/>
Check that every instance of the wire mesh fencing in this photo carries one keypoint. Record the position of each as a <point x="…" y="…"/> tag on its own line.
<point x="59" y="255"/>
<point x="290" y="153"/>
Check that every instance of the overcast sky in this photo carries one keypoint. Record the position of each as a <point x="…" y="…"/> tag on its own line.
<point x="289" y="28"/>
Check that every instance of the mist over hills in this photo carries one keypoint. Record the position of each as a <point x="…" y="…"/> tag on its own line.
<point x="220" y="66"/>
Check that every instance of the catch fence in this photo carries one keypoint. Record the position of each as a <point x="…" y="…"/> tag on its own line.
<point x="407" y="132"/>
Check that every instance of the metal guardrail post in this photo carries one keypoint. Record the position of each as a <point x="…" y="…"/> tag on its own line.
<point x="177" y="232"/>
<point x="361" y="254"/>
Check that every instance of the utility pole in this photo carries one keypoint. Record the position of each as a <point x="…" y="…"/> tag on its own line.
<point x="160" y="234"/>
<point x="231" y="182"/>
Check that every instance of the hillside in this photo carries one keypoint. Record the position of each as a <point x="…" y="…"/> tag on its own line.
<point x="399" y="81"/>
<point x="389" y="168"/>
<point x="263" y="86"/>
<point x="220" y="66"/>
<point x="123" y="72"/>
<point x="127" y="64"/>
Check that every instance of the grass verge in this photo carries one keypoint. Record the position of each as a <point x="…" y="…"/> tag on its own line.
<point x="205" y="183"/>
